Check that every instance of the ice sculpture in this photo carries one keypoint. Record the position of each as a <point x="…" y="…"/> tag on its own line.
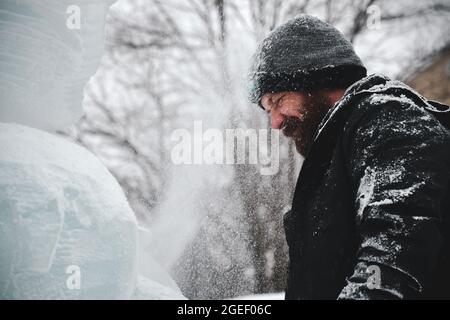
<point x="66" y="229"/>
<point x="60" y="208"/>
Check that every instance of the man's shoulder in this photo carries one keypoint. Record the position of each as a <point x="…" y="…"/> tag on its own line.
<point x="384" y="108"/>
<point x="375" y="91"/>
<point x="381" y="101"/>
<point x="389" y="113"/>
<point x="363" y="98"/>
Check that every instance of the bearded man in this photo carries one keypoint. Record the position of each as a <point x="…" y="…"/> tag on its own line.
<point x="370" y="213"/>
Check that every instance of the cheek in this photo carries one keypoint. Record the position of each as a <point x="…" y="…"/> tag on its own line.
<point x="291" y="107"/>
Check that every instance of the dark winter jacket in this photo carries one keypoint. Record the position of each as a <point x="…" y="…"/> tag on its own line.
<point x="370" y="215"/>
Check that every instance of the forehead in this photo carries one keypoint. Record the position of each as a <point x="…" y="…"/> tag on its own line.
<point x="283" y="95"/>
<point x="274" y="99"/>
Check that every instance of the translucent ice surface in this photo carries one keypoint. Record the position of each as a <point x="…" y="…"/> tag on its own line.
<point x="61" y="209"/>
<point x="48" y="51"/>
<point x="66" y="229"/>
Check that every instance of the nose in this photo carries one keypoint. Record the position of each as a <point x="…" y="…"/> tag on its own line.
<point x="277" y="118"/>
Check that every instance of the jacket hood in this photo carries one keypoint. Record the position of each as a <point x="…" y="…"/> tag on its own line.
<point x="380" y="86"/>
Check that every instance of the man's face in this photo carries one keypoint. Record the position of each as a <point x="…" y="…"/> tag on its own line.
<point x="297" y="114"/>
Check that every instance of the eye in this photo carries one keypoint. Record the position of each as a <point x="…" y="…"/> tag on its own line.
<point x="276" y="100"/>
<point x="281" y="98"/>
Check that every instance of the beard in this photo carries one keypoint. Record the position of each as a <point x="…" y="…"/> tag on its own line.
<point x="303" y="129"/>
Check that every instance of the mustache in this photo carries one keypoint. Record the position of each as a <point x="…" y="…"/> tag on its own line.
<point x="290" y="125"/>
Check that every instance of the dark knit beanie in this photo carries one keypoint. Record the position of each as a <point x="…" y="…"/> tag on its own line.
<point x="303" y="54"/>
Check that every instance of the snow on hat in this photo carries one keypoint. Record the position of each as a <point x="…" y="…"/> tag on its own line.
<point x="303" y="54"/>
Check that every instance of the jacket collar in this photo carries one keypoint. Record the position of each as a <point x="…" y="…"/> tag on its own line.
<point x="374" y="84"/>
